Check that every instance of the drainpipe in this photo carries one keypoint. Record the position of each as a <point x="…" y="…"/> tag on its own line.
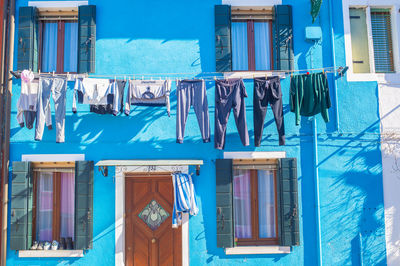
<point x="6" y="126"/>
<point x="334" y="63"/>
<point x="316" y="192"/>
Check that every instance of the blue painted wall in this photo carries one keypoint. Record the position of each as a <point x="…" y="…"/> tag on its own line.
<point x="153" y="37"/>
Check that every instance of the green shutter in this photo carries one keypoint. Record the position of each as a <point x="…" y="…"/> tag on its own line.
<point x="283" y="38"/>
<point x="359" y="40"/>
<point x="86" y="39"/>
<point x="27" y="39"/>
<point x="83" y="204"/>
<point x="288" y="206"/>
<point x="225" y="234"/>
<point x="223" y="47"/>
<point x="21" y="207"/>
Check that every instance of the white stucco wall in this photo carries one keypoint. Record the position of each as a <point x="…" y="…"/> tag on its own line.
<point x="389" y="108"/>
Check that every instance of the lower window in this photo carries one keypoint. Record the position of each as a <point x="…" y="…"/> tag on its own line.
<point x="53" y="207"/>
<point x="254" y="205"/>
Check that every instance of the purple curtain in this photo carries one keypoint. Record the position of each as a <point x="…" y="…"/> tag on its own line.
<point x="67" y="204"/>
<point x="242" y="203"/>
<point x="45" y="207"/>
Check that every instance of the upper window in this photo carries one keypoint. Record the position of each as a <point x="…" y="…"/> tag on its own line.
<point x="58" y="46"/>
<point x="252" y="39"/>
<point x="53" y="205"/>
<point x="375" y="56"/>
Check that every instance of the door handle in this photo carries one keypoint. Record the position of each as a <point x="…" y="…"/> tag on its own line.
<point x="153" y="241"/>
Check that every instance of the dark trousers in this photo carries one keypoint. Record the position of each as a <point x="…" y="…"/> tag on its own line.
<point x="267" y="90"/>
<point x="230" y="94"/>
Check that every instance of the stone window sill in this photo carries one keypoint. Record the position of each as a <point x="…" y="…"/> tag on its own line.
<point x="257" y="250"/>
<point x="50" y="253"/>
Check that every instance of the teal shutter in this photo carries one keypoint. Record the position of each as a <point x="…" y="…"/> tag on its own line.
<point x="21" y="206"/>
<point x="83" y="204"/>
<point x="27" y="39"/>
<point x="288" y="212"/>
<point x="225" y="233"/>
<point x="86" y="39"/>
<point x="283" y="38"/>
<point x="223" y="47"/>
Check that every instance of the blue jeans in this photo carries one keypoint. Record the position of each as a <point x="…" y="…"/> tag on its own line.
<point x="58" y="88"/>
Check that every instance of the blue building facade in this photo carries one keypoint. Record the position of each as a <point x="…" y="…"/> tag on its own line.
<point x="339" y="163"/>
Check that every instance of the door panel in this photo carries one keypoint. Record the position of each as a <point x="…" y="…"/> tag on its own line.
<point x="149" y="236"/>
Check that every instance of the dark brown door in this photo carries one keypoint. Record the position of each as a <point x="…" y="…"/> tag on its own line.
<point x="149" y="236"/>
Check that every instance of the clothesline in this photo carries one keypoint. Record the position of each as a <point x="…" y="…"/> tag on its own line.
<point x="207" y="76"/>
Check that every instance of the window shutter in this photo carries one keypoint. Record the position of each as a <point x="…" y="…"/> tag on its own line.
<point x="27" y="39"/>
<point x="83" y="204"/>
<point x="359" y="40"/>
<point x="381" y="25"/>
<point x="21" y="206"/>
<point x="225" y="233"/>
<point x="86" y="39"/>
<point x="288" y="203"/>
<point x="283" y="35"/>
<point x="223" y="47"/>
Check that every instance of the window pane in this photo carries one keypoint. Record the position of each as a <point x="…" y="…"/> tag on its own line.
<point x="44" y="214"/>
<point x="382" y="37"/>
<point x="262" y="42"/>
<point x="49" y="56"/>
<point x="71" y="47"/>
<point x="67" y="204"/>
<point x="266" y="204"/>
<point x="239" y="46"/>
<point x="359" y="40"/>
<point x="242" y="203"/>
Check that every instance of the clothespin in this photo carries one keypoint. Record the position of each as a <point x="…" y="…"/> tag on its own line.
<point x="215" y="78"/>
<point x="115" y="78"/>
<point x="53" y="73"/>
<point x="39" y="71"/>
<point x="124" y="78"/>
<point x="308" y="73"/>
<point x="160" y="77"/>
<point x="142" y="77"/>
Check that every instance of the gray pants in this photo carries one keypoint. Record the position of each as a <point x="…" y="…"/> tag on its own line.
<point x="192" y="93"/>
<point x="58" y="88"/>
<point x="230" y="94"/>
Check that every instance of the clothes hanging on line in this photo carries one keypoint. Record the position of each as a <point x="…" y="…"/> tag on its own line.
<point x="96" y="92"/>
<point x="267" y="91"/>
<point x="115" y="100"/>
<point x="148" y="93"/>
<point x="27" y="101"/>
<point x="57" y="88"/>
<point x="309" y="95"/>
<point x="192" y="93"/>
<point x="230" y="94"/>
<point x="184" y="198"/>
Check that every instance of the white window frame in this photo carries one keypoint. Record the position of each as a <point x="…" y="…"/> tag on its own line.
<point x="394" y="6"/>
<point x="51" y="253"/>
<point x="256" y="249"/>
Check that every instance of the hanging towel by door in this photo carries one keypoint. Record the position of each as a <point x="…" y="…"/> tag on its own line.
<point x="309" y="95"/>
<point x="184" y="198"/>
<point x="148" y="93"/>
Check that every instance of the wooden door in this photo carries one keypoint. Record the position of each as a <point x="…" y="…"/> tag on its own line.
<point x="149" y="236"/>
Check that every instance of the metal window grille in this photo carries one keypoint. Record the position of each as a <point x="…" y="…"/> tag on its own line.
<point x="382" y="39"/>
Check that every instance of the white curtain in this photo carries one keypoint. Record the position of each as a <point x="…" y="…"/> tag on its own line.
<point x="262" y="38"/>
<point x="242" y="203"/>
<point x="71" y="47"/>
<point x="44" y="206"/>
<point x="67" y="204"/>
<point x="266" y="204"/>
<point x="239" y="46"/>
<point x="49" y="58"/>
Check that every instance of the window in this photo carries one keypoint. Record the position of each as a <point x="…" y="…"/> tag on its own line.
<point x="254" y="204"/>
<point x="58" y="46"/>
<point x="257" y="203"/>
<point x="60" y="39"/>
<point x="53" y="203"/>
<point x="377" y="55"/>
<point x="251" y="39"/>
